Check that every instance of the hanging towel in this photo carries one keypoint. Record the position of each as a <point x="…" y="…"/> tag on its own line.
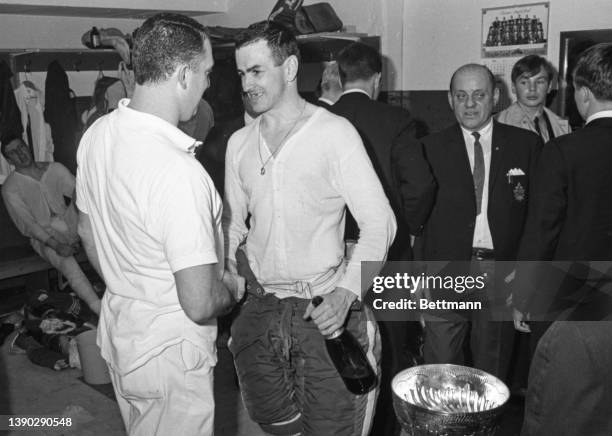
<point x="31" y="102"/>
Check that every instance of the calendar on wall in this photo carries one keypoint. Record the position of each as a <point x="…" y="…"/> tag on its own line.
<point x="508" y="34"/>
<point x="502" y="70"/>
<point x="515" y="31"/>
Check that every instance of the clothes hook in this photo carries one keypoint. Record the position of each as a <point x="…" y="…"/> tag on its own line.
<point x="26" y="67"/>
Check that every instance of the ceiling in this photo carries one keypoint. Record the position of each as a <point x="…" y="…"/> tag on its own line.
<point x="99" y="12"/>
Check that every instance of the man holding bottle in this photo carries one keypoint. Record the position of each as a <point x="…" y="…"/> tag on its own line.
<point x="294" y="169"/>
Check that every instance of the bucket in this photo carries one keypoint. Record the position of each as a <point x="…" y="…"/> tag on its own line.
<point x="95" y="370"/>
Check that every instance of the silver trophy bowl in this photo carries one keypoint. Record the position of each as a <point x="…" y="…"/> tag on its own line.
<point x="448" y="400"/>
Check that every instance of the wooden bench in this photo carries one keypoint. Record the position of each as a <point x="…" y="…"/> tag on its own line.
<point x="25" y="265"/>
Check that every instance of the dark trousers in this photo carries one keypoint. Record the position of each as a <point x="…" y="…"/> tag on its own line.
<point x="399" y="341"/>
<point x="489" y="342"/>
<point x="284" y="369"/>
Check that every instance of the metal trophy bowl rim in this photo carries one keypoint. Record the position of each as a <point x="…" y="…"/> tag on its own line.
<point x="398" y="378"/>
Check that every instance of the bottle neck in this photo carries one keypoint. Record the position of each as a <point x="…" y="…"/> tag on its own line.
<point x="335" y="334"/>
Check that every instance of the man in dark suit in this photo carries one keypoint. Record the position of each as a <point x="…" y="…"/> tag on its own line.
<point x="388" y="133"/>
<point x="388" y="136"/>
<point x="483" y="171"/>
<point x="570" y="387"/>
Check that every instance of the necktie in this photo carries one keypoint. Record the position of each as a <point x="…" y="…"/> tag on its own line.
<point x="479" y="171"/>
<point x="549" y="129"/>
<point x="543" y="135"/>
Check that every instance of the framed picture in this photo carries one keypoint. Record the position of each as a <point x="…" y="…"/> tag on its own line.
<point x="515" y="31"/>
<point x="573" y="44"/>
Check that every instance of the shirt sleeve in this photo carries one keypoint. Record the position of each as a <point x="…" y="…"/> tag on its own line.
<point x="66" y="178"/>
<point x="360" y="187"/>
<point x="414" y="180"/>
<point x="234" y="209"/>
<point x="80" y="181"/>
<point x="185" y="214"/>
<point x="20" y="213"/>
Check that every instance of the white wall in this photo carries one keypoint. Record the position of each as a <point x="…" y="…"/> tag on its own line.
<point x="423" y="40"/>
<point x="374" y="17"/>
<point x="441" y="35"/>
<point x="32" y="31"/>
<point x="51" y="32"/>
<point x="365" y="14"/>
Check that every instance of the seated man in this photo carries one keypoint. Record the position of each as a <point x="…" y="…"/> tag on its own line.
<point x="39" y="197"/>
<point x="531" y="82"/>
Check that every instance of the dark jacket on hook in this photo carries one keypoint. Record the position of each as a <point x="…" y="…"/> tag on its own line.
<point x="60" y="113"/>
<point x="10" y="116"/>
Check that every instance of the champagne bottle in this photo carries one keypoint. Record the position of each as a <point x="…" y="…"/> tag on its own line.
<point x="349" y="359"/>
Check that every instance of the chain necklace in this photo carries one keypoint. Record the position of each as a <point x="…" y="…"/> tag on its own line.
<point x="262" y="171"/>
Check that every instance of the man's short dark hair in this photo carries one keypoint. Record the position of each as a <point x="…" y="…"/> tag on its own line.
<point x="474" y="67"/>
<point x="594" y="71"/>
<point x="280" y="39"/>
<point x="530" y="66"/>
<point x="358" y="61"/>
<point x="164" y="42"/>
<point x="5" y="143"/>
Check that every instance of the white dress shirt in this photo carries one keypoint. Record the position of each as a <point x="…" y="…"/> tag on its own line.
<point x="600" y="114"/>
<point x="482" y="232"/>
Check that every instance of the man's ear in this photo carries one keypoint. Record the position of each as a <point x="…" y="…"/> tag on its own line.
<point x="377" y="81"/>
<point x="450" y="100"/>
<point x="291" y="65"/>
<point x="580" y="94"/>
<point x="513" y="89"/>
<point x="495" y="96"/>
<point x="182" y="73"/>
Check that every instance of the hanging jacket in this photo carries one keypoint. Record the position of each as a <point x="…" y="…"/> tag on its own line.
<point x="10" y="117"/>
<point x="60" y="113"/>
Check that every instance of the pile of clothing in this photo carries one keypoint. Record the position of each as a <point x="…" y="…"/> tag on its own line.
<point x="46" y="327"/>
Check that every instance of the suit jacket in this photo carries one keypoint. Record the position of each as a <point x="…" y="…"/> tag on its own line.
<point x="449" y="231"/>
<point x="388" y="136"/>
<point x="571" y="214"/>
<point x="322" y="103"/>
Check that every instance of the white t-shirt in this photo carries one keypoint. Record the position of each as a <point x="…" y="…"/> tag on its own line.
<point x="154" y="211"/>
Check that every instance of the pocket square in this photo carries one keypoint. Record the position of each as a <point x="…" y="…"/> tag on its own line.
<point x="515" y="172"/>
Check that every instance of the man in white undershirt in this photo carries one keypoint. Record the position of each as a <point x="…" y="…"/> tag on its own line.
<point x="294" y="169"/>
<point x="39" y="197"/>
